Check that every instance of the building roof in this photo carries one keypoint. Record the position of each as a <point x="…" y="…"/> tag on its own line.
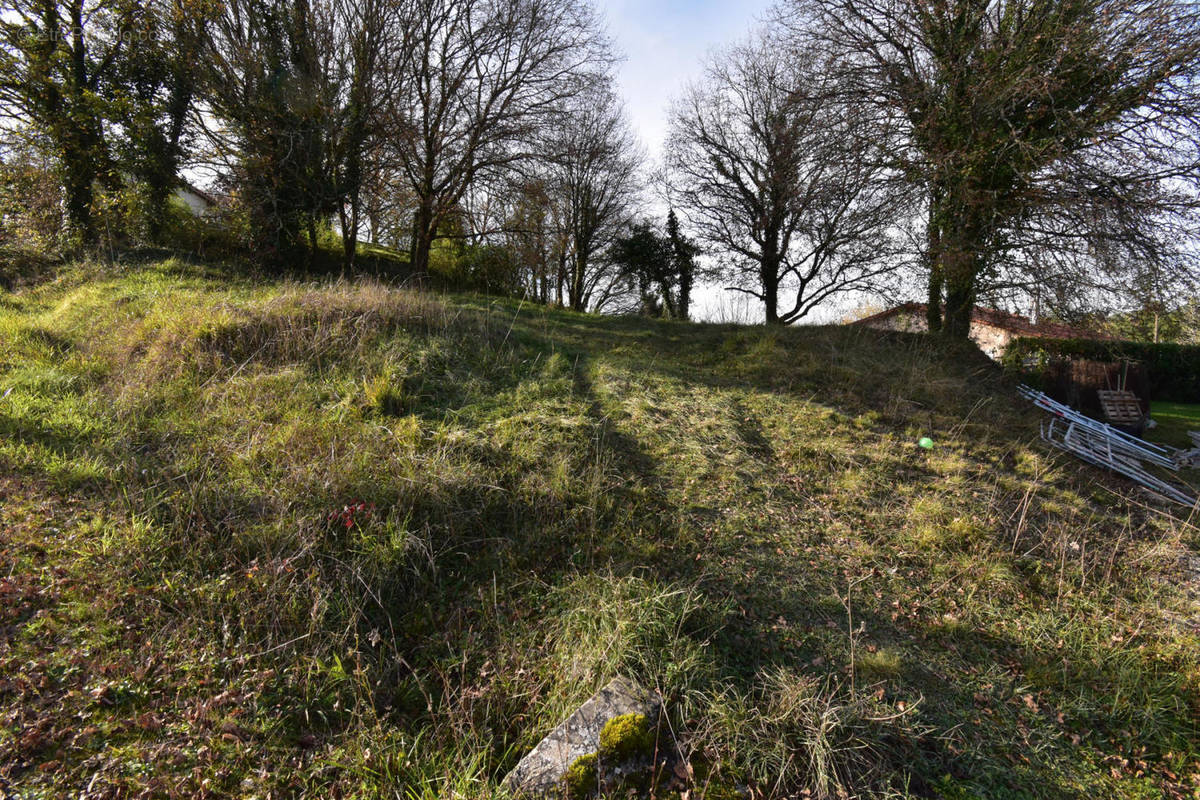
<point x="1014" y="323"/>
<point x="204" y="195"/>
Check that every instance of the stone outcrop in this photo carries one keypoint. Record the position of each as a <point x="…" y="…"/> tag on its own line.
<point x="540" y="773"/>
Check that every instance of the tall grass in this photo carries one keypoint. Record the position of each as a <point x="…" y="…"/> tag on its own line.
<point x="348" y="539"/>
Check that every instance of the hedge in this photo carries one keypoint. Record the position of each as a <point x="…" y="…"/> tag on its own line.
<point x="1173" y="369"/>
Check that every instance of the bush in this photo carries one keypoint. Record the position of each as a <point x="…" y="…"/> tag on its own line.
<point x="30" y="203"/>
<point x="221" y="232"/>
<point x="490" y="269"/>
<point x="1173" y="369"/>
<point x="485" y="268"/>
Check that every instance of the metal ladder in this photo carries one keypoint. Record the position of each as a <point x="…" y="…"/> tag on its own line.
<point x="1104" y="446"/>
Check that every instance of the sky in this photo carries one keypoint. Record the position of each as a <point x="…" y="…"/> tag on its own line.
<point x="664" y="43"/>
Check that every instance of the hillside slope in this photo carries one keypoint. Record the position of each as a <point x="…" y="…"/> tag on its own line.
<point x="266" y="539"/>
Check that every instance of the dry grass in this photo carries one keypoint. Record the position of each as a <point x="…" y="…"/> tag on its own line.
<point x="272" y="539"/>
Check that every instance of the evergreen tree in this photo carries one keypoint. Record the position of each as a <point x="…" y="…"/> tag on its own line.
<point x="683" y="252"/>
<point x="153" y="101"/>
<point x="56" y="66"/>
<point x="648" y="259"/>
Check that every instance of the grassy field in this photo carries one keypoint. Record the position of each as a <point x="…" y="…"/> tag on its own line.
<point x="1174" y="421"/>
<point x="269" y="539"/>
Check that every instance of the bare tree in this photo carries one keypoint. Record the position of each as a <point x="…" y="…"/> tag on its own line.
<point x="1100" y="239"/>
<point x="593" y="174"/>
<point x="1043" y="133"/>
<point x="367" y="35"/>
<point x="534" y="238"/>
<point x="386" y="196"/>
<point x="774" y="176"/>
<point x="483" y="76"/>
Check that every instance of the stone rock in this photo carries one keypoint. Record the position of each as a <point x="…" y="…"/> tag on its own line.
<point x="541" y="771"/>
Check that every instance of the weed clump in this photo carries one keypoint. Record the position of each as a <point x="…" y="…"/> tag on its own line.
<point x="385" y="397"/>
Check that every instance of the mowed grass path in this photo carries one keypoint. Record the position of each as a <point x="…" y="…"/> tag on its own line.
<point x="269" y="539"/>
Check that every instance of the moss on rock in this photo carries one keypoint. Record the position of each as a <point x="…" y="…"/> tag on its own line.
<point x="582" y="777"/>
<point x="625" y="738"/>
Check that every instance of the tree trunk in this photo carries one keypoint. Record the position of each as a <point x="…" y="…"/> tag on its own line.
<point x="80" y="137"/>
<point x="544" y="269"/>
<point x="349" y="224"/>
<point x="422" y="241"/>
<point x="282" y="246"/>
<point x="933" y="309"/>
<point x="166" y="166"/>
<point x="158" y="196"/>
<point x="685" y="291"/>
<point x="769" y="275"/>
<point x="682" y="252"/>
<point x="78" y="181"/>
<point x="560" y="278"/>
<point x="576" y="288"/>
<point x="959" y="267"/>
<point x="670" y="309"/>
<point x="313" y="244"/>
<point x="960" y="246"/>
<point x="960" y="301"/>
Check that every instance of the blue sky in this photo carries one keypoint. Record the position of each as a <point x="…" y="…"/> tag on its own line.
<point x="664" y="43"/>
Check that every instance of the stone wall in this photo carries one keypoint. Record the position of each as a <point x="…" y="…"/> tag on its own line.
<point x="903" y="321"/>
<point x="992" y="340"/>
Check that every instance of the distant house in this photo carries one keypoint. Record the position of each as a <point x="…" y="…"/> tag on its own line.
<point x="198" y="201"/>
<point x="992" y="330"/>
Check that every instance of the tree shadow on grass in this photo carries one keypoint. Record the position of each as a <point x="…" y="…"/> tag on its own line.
<point x="502" y="549"/>
<point x="749" y="429"/>
<point x="45" y="444"/>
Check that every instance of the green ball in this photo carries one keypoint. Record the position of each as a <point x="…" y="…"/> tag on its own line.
<point x="925" y="442"/>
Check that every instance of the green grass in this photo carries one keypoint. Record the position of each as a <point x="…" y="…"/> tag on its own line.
<point x="271" y="539"/>
<point x="1174" y="421"/>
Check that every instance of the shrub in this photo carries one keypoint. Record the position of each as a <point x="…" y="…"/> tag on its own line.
<point x="30" y="202"/>
<point x="491" y="269"/>
<point x="485" y="268"/>
<point x="220" y="232"/>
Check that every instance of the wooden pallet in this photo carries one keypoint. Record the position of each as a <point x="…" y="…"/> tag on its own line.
<point x="1122" y="408"/>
